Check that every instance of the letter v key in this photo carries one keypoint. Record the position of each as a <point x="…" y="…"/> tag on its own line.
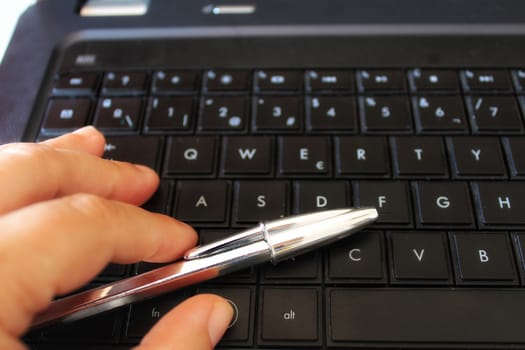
<point x="419" y="255"/>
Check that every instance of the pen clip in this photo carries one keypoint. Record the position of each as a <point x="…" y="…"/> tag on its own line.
<point x="227" y="244"/>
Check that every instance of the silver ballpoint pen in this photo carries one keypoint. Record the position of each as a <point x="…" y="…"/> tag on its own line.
<point x="271" y="241"/>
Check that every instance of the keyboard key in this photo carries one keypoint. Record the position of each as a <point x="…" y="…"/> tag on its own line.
<point x="373" y="80"/>
<point x="96" y="329"/>
<point x="519" y="79"/>
<point x="494" y="114"/>
<point x="208" y="236"/>
<point x="76" y="84"/>
<point x="240" y="330"/>
<point x="434" y="80"/>
<point x="257" y="201"/>
<point x="300" y="269"/>
<point x="330" y="80"/>
<point x="124" y="83"/>
<point x="119" y="114"/>
<point x="112" y="271"/>
<point x="202" y="201"/>
<point x="160" y="201"/>
<point x="175" y="81"/>
<point x="191" y="155"/>
<point x="515" y="149"/>
<point x="519" y="242"/>
<point x="247" y="155"/>
<point x="223" y="113"/>
<point x="483" y="257"/>
<point x="290" y="315"/>
<point x="143" y="150"/>
<point x="440" y="114"/>
<point x="476" y="157"/>
<point x="385" y="113"/>
<point x="389" y="198"/>
<point x="500" y="203"/>
<point x="332" y="113"/>
<point x="227" y="80"/>
<point x="443" y="203"/>
<point x="170" y="114"/>
<point x="312" y="196"/>
<point x="358" y="259"/>
<point x="304" y="155"/>
<point x="420" y="256"/>
<point x="144" y="315"/>
<point x="419" y="316"/>
<point x="278" y="80"/>
<point x="486" y="80"/>
<point x="143" y="266"/>
<point x="424" y="156"/>
<point x="65" y="115"/>
<point x="277" y="113"/>
<point x="358" y="155"/>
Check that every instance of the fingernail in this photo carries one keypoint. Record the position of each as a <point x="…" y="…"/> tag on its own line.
<point x="86" y="130"/>
<point x="143" y="168"/>
<point x="219" y="320"/>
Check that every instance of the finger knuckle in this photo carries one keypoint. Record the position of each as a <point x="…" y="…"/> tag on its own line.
<point x="28" y="156"/>
<point x="30" y="150"/>
<point x="93" y="206"/>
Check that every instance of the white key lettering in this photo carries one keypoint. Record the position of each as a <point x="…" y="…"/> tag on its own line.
<point x="483" y="256"/>
<point x="476" y="153"/>
<point x="247" y="153"/>
<point x="321" y="201"/>
<point x="419" y="255"/>
<point x="355" y="254"/>
<point x="504" y="202"/>
<point x="261" y="201"/>
<point x="443" y="202"/>
<point x="201" y="202"/>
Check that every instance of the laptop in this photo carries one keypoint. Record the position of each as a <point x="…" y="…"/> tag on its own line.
<point x="268" y="108"/>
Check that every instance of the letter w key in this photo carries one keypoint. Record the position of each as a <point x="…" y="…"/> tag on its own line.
<point x="251" y="155"/>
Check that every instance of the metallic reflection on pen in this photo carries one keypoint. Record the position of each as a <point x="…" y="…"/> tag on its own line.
<point x="272" y="241"/>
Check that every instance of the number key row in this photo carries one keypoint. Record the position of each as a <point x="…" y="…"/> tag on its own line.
<point x="291" y="114"/>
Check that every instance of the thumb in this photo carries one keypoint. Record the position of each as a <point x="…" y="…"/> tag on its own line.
<point x="196" y="324"/>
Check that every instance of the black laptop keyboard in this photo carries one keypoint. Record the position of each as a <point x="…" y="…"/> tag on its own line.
<point x="439" y="152"/>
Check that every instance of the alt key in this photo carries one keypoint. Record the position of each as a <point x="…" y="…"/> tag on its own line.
<point x="290" y="315"/>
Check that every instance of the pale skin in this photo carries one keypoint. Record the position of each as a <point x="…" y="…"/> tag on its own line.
<point x="65" y="213"/>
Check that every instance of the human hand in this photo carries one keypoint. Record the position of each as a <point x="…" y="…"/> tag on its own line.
<point x="62" y="206"/>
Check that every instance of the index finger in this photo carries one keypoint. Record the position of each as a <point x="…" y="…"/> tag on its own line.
<point x="86" y="139"/>
<point x="30" y="172"/>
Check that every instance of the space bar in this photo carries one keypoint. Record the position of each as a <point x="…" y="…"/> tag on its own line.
<point x="426" y="316"/>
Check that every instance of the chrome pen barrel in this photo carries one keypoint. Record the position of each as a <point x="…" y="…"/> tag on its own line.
<point x="151" y="284"/>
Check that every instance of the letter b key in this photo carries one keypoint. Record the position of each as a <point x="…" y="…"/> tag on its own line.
<point x="484" y="257"/>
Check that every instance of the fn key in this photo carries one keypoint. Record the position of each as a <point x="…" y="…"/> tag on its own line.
<point x="290" y="315"/>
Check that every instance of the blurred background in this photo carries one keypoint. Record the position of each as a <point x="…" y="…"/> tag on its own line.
<point x="9" y="13"/>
